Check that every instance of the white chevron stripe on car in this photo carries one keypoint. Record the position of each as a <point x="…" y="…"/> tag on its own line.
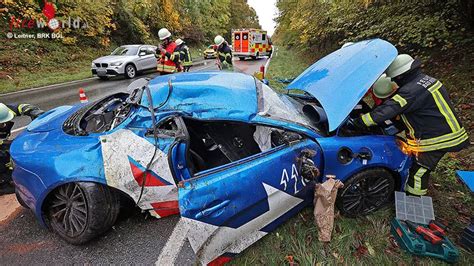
<point x="210" y="241"/>
<point x="116" y="150"/>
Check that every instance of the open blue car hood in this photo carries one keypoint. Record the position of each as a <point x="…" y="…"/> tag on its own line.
<point x="340" y="80"/>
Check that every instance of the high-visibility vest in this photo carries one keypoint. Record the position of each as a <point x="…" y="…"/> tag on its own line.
<point x="166" y="64"/>
<point x="186" y="55"/>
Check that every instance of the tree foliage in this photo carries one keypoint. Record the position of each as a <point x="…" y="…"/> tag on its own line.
<point x="136" y="21"/>
<point x="414" y="26"/>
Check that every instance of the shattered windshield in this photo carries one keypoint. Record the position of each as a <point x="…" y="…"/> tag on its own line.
<point x="281" y="107"/>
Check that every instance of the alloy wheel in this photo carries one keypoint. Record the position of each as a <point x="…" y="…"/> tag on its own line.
<point x="367" y="195"/>
<point x="130" y="71"/>
<point x="68" y="210"/>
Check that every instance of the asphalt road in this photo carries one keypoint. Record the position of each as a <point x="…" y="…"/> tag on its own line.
<point x="135" y="238"/>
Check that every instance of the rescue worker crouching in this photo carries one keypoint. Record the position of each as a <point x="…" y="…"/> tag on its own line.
<point x="224" y="53"/>
<point x="432" y="126"/>
<point x="185" y="58"/>
<point x="7" y="113"/>
<point x="168" y="56"/>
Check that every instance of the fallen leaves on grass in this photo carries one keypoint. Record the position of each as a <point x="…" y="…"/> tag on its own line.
<point x="291" y="260"/>
<point x="393" y="249"/>
<point x="338" y="257"/>
<point x="370" y="249"/>
<point x="393" y="242"/>
<point x="361" y="251"/>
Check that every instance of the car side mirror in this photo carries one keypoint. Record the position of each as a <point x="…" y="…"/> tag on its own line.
<point x="142" y="54"/>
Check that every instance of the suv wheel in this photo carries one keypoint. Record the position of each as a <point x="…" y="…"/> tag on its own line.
<point x="130" y="71"/>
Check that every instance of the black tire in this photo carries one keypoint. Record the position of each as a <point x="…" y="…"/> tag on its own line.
<point x="242" y="58"/>
<point x="20" y="200"/>
<point x="365" y="192"/>
<point x="130" y="71"/>
<point x="81" y="211"/>
<point x="104" y="78"/>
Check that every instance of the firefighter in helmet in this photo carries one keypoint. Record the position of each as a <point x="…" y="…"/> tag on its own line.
<point x="185" y="58"/>
<point x="224" y="53"/>
<point x="168" y="56"/>
<point x="423" y="104"/>
<point x="7" y="113"/>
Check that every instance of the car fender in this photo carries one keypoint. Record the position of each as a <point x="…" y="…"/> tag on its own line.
<point x="41" y="198"/>
<point x="383" y="150"/>
<point x="132" y="63"/>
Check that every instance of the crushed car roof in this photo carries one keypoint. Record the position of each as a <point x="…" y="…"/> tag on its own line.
<point x="206" y="95"/>
<point x="340" y="80"/>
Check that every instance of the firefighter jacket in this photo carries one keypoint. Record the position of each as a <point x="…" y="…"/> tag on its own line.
<point x="169" y="62"/>
<point x="184" y="55"/>
<point x="423" y="104"/>
<point x="224" y="53"/>
<point x="18" y="110"/>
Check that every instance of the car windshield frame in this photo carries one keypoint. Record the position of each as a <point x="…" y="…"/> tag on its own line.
<point x="125" y="50"/>
<point x="282" y="107"/>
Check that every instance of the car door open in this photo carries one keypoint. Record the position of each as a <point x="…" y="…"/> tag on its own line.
<point x="241" y="190"/>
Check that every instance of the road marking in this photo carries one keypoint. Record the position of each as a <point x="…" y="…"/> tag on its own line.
<point x="19" y="129"/>
<point x="173" y="246"/>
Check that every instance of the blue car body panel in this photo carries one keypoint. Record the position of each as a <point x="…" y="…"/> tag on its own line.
<point x="206" y="95"/>
<point x="384" y="150"/>
<point x="231" y="206"/>
<point x="46" y="159"/>
<point x="340" y="80"/>
<point x="249" y="199"/>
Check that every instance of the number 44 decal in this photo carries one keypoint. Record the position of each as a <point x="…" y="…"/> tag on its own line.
<point x="286" y="180"/>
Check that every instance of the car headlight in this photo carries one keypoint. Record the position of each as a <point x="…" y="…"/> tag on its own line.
<point x="116" y="63"/>
<point x="92" y="65"/>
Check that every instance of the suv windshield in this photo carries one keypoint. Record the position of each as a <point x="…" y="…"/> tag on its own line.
<point x="125" y="50"/>
<point x="281" y="107"/>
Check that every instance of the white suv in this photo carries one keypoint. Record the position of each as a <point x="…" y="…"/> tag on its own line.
<point x="126" y="60"/>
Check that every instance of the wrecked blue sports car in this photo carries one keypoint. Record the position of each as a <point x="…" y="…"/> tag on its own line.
<point x="234" y="158"/>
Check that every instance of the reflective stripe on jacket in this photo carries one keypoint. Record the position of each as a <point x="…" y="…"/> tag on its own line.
<point x="184" y="55"/>
<point x="224" y="53"/>
<point x="20" y="109"/>
<point x="427" y="112"/>
<point x="168" y="61"/>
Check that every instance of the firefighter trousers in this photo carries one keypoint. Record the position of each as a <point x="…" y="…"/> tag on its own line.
<point x="419" y="174"/>
<point x="6" y="184"/>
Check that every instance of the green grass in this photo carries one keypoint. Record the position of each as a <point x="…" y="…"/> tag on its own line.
<point x="284" y="66"/>
<point x="364" y="240"/>
<point x="34" y="63"/>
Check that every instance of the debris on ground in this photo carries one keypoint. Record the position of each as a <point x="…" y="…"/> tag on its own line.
<point x="325" y="197"/>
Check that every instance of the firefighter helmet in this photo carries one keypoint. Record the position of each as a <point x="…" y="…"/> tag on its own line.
<point x="401" y="64"/>
<point x="178" y="41"/>
<point x="218" y="40"/>
<point x="383" y="87"/>
<point x="5" y="113"/>
<point x="164" y="33"/>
